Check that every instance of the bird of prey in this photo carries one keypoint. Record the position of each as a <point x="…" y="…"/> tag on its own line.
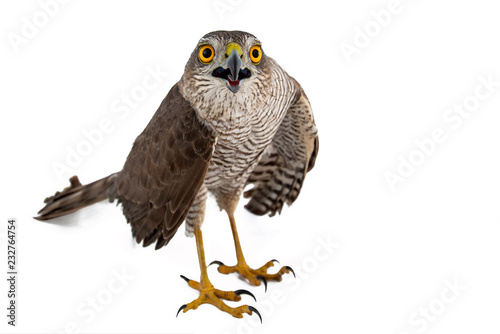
<point x="234" y="118"/>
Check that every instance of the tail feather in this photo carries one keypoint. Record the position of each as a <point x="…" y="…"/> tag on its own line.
<point x="76" y="197"/>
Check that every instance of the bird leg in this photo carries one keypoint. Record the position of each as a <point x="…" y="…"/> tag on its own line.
<point x="210" y="295"/>
<point x="254" y="276"/>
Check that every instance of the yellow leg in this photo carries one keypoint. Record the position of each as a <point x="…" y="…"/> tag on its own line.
<point x="254" y="276"/>
<point x="210" y="295"/>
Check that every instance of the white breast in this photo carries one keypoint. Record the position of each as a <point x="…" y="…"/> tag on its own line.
<point x="246" y="131"/>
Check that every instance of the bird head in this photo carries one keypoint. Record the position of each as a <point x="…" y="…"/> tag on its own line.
<point x="225" y="60"/>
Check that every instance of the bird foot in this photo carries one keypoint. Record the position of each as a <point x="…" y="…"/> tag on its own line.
<point x="210" y="295"/>
<point x="254" y="276"/>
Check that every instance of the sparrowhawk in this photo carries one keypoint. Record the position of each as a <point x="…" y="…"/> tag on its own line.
<point x="234" y="118"/>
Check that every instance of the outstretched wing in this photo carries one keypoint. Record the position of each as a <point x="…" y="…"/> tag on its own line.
<point x="279" y="176"/>
<point x="164" y="171"/>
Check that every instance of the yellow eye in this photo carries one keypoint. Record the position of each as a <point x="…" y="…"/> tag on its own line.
<point x="206" y="54"/>
<point x="255" y="54"/>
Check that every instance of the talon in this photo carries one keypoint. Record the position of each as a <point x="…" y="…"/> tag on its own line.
<point x="263" y="279"/>
<point x="245" y="292"/>
<point x="274" y="260"/>
<point x="216" y="262"/>
<point x="184" y="306"/>
<point x="185" y="278"/>
<point x="253" y="309"/>
<point x="293" y="272"/>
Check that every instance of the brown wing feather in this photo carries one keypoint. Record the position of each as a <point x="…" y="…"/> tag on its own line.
<point x="279" y="176"/>
<point x="165" y="170"/>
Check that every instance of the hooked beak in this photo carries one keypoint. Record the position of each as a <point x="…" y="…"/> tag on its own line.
<point x="230" y="70"/>
<point x="234" y="65"/>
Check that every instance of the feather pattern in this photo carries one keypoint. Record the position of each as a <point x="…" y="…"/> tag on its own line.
<point x="279" y="176"/>
<point x="206" y="138"/>
<point x="164" y="171"/>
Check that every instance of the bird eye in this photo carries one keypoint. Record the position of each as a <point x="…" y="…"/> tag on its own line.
<point x="206" y="54"/>
<point x="255" y="54"/>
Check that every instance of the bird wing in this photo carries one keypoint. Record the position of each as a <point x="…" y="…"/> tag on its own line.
<point x="165" y="170"/>
<point x="279" y="176"/>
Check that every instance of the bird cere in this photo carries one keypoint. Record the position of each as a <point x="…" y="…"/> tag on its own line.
<point x="235" y="118"/>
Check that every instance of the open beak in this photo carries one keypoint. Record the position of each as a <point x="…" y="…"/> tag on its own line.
<point x="230" y="70"/>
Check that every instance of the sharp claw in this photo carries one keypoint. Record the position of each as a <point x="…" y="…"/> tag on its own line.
<point x="293" y="272"/>
<point x="185" y="278"/>
<point x="274" y="260"/>
<point x="245" y="292"/>
<point x="184" y="306"/>
<point x="263" y="279"/>
<point x="215" y="262"/>
<point x="253" y="309"/>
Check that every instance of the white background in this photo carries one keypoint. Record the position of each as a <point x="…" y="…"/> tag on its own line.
<point x="396" y="249"/>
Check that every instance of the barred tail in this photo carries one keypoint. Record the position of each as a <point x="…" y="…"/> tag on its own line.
<point x="76" y="197"/>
